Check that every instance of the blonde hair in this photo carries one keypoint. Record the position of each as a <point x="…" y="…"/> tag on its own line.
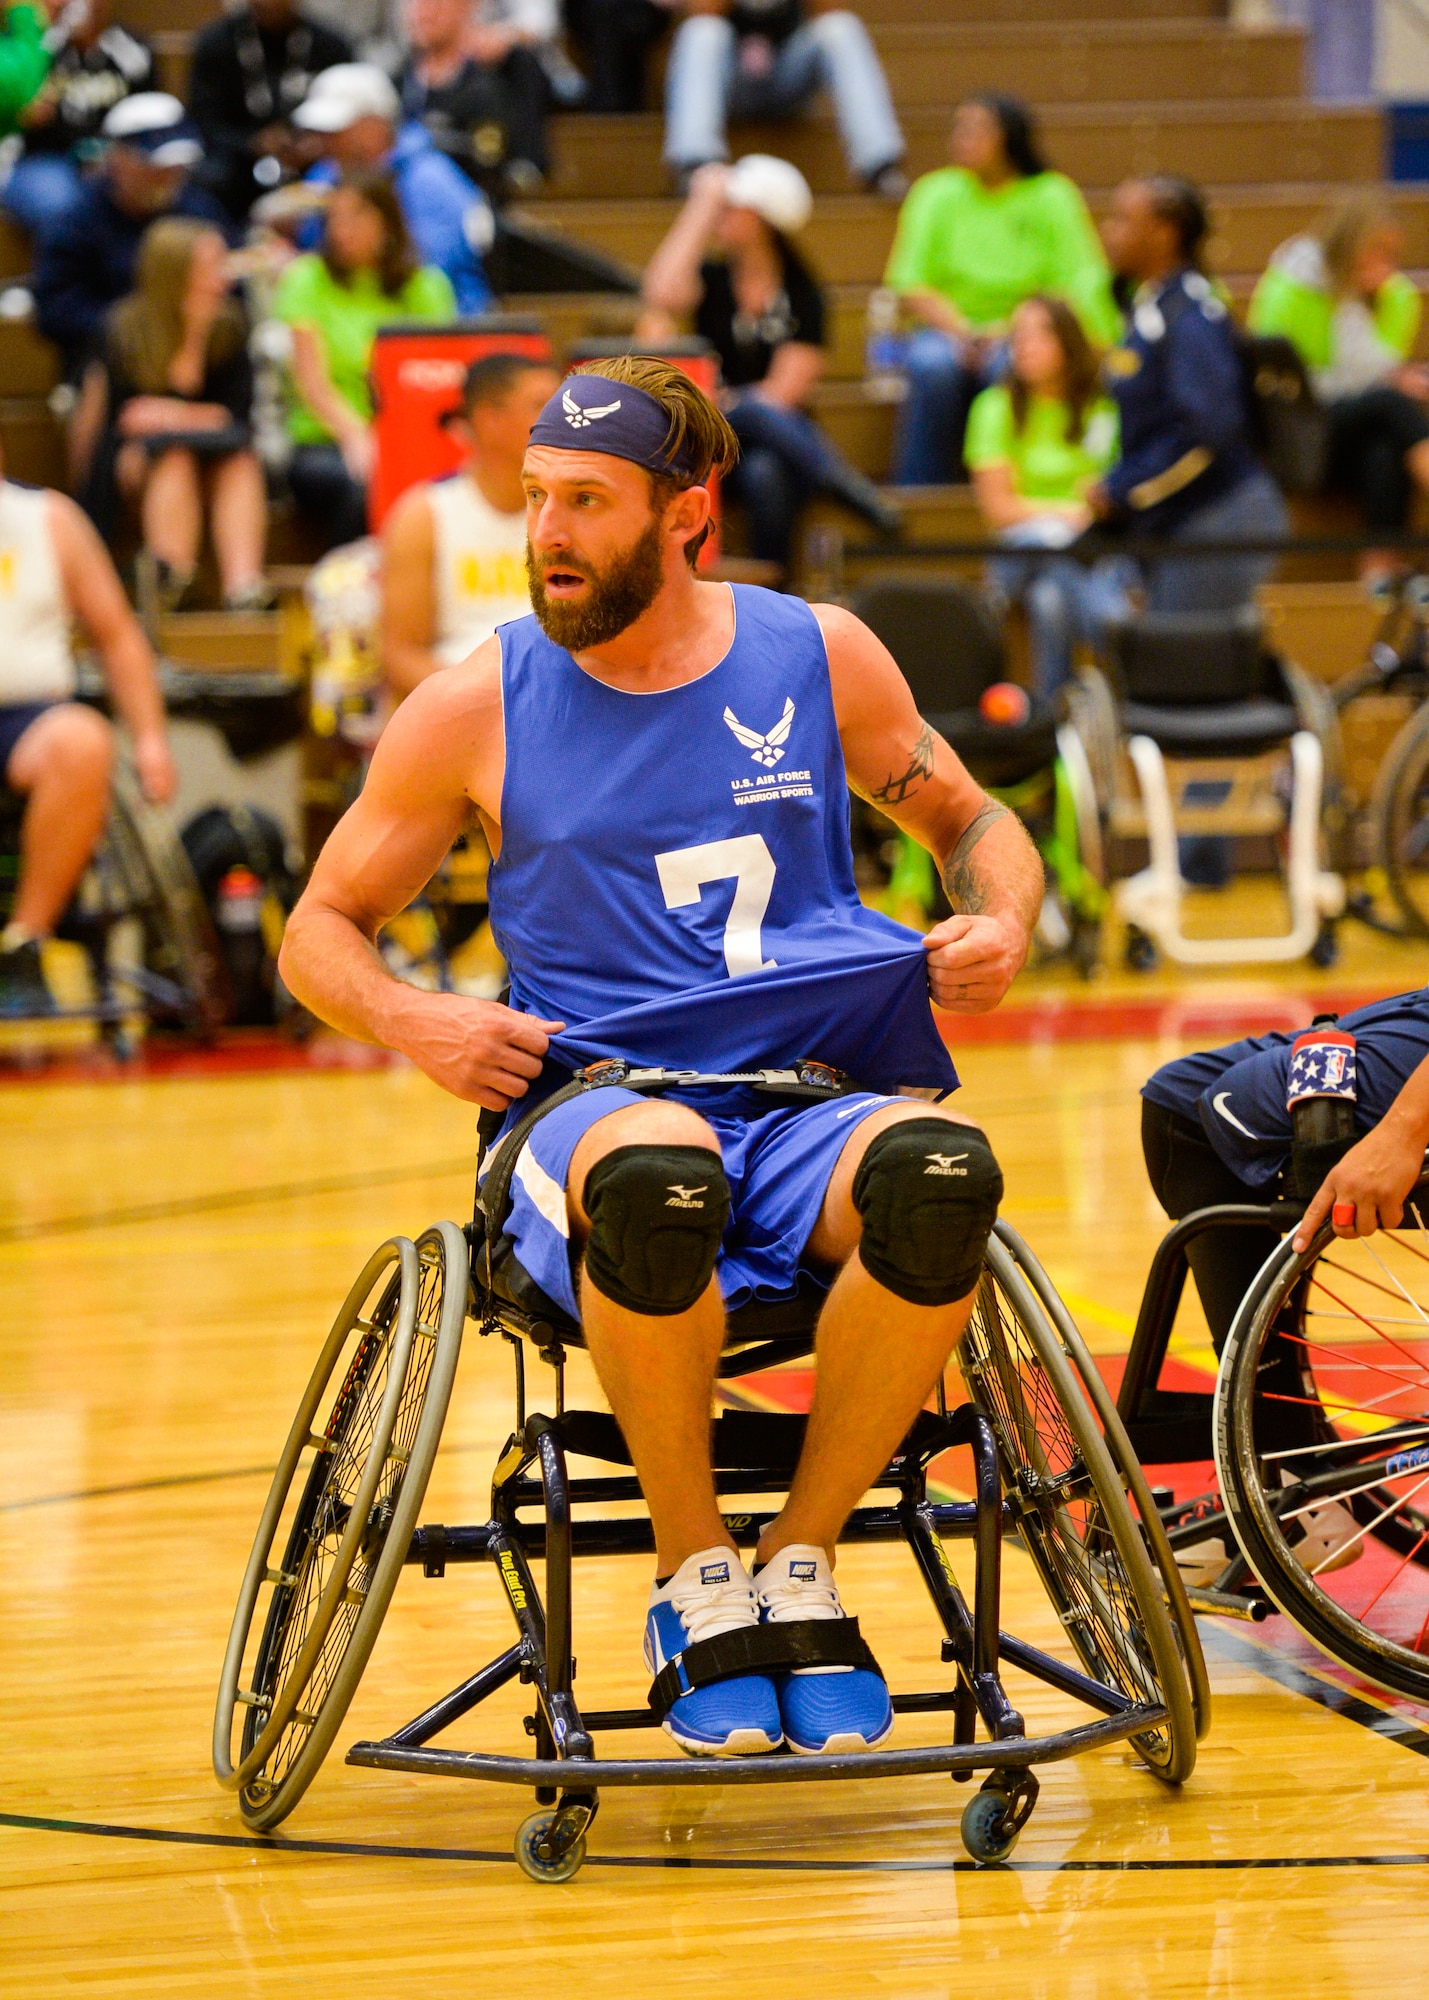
<point x="1344" y="230"/>
<point x="147" y="328"/>
<point x="698" y="429"/>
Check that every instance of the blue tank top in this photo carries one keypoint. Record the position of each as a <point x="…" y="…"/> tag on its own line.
<point x="675" y="880"/>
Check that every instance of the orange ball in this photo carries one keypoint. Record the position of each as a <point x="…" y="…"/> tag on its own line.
<point x="1004" y="704"/>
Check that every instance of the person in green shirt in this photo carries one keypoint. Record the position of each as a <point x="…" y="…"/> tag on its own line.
<point x="1339" y="297"/>
<point x="24" y="60"/>
<point x="365" y="276"/>
<point x="974" y="239"/>
<point x="1036" y="444"/>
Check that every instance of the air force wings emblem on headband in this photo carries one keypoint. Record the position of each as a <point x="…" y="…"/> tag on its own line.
<point x="765" y="750"/>
<point x="578" y="418"/>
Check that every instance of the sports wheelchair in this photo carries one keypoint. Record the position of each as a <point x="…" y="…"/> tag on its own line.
<point x="950" y="648"/>
<point x="1321" y="1401"/>
<point x="1052" y="1471"/>
<point x="170" y="967"/>
<point x="1195" y="728"/>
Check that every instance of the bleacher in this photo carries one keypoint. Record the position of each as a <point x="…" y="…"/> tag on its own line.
<point x="1120" y="87"/>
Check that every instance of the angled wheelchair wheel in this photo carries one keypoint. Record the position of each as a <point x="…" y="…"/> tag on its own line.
<point x="1073" y="1514"/>
<point x="342" y="1507"/>
<point x="141" y="871"/>
<point x="1321" y="1432"/>
<point x="1400" y="820"/>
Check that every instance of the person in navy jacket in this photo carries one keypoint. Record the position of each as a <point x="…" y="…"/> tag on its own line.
<point x="1188" y="470"/>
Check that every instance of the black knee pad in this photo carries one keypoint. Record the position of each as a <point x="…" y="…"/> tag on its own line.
<point x="928" y="1193"/>
<point x="657" y="1214"/>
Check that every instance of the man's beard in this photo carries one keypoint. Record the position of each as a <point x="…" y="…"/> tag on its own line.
<point x="617" y="595"/>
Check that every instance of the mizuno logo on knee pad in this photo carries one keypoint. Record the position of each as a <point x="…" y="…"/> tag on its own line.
<point x="927" y="1214"/>
<point x="654" y="1229"/>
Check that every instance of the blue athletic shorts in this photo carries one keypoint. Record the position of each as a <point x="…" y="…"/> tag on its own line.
<point x="1238" y="1092"/>
<point x="778" y="1164"/>
<point x="15" y="719"/>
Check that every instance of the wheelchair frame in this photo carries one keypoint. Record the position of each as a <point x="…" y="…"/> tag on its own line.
<point x="754" y="1453"/>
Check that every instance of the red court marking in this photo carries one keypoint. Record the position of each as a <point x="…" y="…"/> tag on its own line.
<point x="1071" y="1018"/>
<point x="236" y="1052"/>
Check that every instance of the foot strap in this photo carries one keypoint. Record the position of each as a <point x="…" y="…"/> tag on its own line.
<point x="761" y="1649"/>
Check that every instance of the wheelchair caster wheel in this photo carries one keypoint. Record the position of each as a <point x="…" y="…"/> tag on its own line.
<point x="1140" y="950"/>
<point x="1326" y="948"/>
<point x="534" y="1853"/>
<point x="987" y="1827"/>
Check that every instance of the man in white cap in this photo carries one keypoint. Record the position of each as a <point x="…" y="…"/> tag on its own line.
<point x="85" y="267"/>
<point x="730" y="265"/>
<point x="354" y="108"/>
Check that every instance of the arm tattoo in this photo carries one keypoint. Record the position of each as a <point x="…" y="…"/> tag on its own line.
<point x="895" y="789"/>
<point x="966" y="889"/>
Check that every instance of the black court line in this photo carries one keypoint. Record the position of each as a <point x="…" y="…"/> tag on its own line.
<point x="250" y="1197"/>
<point x="782" y="1864"/>
<point x="135" y="1486"/>
<point x="1397" y="1729"/>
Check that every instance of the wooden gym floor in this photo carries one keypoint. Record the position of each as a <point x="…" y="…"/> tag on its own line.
<point x="171" y="1249"/>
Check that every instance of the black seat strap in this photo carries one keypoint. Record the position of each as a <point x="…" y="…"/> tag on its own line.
<point x="760" y="1649"/>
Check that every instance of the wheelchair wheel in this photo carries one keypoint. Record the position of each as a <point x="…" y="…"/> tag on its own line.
<point x="343" y="1519"/>
<point x="1326" y="1473"/>
<point x="1071" y="1504"/>
<point x="142" y="871"/>
<point x="1400" y="819"/>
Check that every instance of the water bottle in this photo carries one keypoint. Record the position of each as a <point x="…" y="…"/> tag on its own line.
<point x="1320" y="1096"/>
<point x="883" y="347"/>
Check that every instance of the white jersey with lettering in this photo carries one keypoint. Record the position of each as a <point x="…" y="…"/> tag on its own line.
<point x="36" y="658"/>
<point x="480" y="558"/>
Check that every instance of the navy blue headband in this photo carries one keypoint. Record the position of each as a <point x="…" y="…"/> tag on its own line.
<point x="592" y="413"/>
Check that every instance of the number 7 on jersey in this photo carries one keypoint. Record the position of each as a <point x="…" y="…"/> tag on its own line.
<point x="685" y="871"/>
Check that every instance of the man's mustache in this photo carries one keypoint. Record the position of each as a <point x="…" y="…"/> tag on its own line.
<point x="541" y="566"/>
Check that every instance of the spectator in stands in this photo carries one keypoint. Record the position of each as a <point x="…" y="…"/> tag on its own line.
<point x="252" y="68"/>
<point x="616" y="36"/>
<point x="974" y="239"/>
<point x="766" y="59"/>
<point x="1188" y="469"/>
<point x="760" y="307"/>
<point x="1339" y="296"/>
<point x="24" y="59"/>
<point x="502" y="25"/>
<point x="54" y="573"/>
<point x="366" y="274"/>
<point x="95" y="64"/>
<point x="480" y="92"/>
<point x="179" y="393"/>
<point x="1036" y="444"/>
<point x="454" y="550"/>
<point x="356" y="111"/>
<point x="84" y="268"/>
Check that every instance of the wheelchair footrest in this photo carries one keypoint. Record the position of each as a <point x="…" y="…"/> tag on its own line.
<point x="761" y="1649"/>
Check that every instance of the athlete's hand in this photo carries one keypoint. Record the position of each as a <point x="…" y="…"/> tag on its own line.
<point x="972" y="961"/>
<point x="154" y="763"/>
<point x="479" y="1050"/>
<point x="1376" y="1175"/>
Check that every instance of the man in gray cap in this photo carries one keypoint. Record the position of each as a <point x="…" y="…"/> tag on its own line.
<point x="85" y="267"/>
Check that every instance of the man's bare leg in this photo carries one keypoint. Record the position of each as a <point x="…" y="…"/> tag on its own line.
<point x="658" y="1373"/>
<point x="62" y="763"/>
<point x="878" y="1360"/>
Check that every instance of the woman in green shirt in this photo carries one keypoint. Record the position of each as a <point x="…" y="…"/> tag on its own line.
<point x="1036" y="444"/>
<point x="1339" y="296"/>
<point x="974" y="240"/>
<point x="365" y="276"/>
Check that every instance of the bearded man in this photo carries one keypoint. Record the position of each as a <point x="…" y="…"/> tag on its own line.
<point x="661" y="766"/>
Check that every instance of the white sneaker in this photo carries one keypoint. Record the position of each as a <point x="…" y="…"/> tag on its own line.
<point x="823" y="1708"/>
<point x="711" y="1592"/>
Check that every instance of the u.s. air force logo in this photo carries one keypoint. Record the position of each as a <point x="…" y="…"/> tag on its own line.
<point x="765" y="750"/>
<point x="580" y="419"/>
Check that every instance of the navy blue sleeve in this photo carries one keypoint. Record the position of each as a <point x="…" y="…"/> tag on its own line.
<point x="1204" y="402"/>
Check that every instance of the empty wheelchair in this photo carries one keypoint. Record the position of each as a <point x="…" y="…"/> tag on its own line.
<point x="950" y="648"/>
<point x="140" y="918"/>
<point x="1052" y="1473"/>
<point x="1320" y="1410"/>
<point x="1198" y="730"/>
